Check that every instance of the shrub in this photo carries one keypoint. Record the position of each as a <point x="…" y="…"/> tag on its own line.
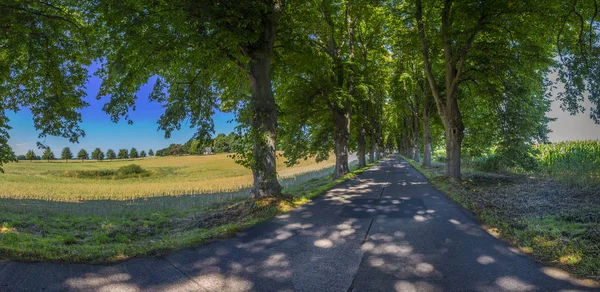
<point x="131" y="169"/>
<point x="128" y="171"/>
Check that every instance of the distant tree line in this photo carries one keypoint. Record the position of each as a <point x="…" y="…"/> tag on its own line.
<point x="82" y="155"/>
<point x="220" y="144"/>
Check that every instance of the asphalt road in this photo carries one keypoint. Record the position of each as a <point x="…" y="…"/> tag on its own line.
<point x="385" y="230"/>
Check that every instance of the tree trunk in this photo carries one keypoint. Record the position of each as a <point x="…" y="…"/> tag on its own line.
<point x="372" y="149"/>
<point x="427" y="139"/>
<point x="264" y="128"/>
<point x="264" y="119"/>
<point x="342" y="138"/>
<point x="454" y="136"/>
<point x="362" y="160"/>
<point x="416" y="151"/>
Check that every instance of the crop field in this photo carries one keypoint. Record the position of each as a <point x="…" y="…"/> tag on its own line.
<point x="78" y="181"/>
<point x="575" y="162"/>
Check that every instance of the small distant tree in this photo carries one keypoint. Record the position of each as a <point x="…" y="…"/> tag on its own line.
<point x="150" y="152"/>
<point x="83" y="155"/>
<point x="21" y="157"/>
<point x="143" y="154"/>
<point x="97" y="154"/>
<point x="66" y="154"/>
<point x="133" y="153"/>
<point x="48" y="154"/>
<point x="110" y="154"/>
<point x="30" y="155"/>
<point x="123" y="154"/>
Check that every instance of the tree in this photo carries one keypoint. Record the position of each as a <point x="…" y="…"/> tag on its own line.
<point x="133" y="153"/>
<point x="110" y="154"/>
<point x="143" y="154"/>
<point x="175" y="149"/>
<point x="476" y="40"/>
<point x="578" y="47"/>
<point x="322" y="78"/>
<point x="150" y="153"/>
<point x="66" y="154"/>
<point x="83" y="155"/>
<point x="222" y="143"/>
<point x="200" y="51"/>
<point x="48" y="154"/>
<point x="45" y="52"/>
<point x="123" y="154"/>
<point x="30" y="155"/>
<point x="98" y="154"/>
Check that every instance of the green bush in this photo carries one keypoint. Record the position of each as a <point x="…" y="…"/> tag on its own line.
<point x="488" y="163"/>
<point x="128" y="171"/>
<point x="131" y="169"/>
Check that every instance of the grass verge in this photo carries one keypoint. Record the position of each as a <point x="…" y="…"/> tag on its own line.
<point x="111" y="238"/>
<point x="555" y="223"/>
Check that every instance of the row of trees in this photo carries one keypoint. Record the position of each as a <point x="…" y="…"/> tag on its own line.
<point x="97" y="154"/>
<point x="309" y="77"/>
<point x="220" y="144"/>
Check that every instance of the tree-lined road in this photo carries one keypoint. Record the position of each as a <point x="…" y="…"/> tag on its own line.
<point x="388" y="229"/>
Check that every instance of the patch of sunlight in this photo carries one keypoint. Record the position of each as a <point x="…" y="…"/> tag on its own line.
<point x="512" y="283"/>
<point x="420" y="218"/>
<point x="485" y="260"/>
<point x="324" y="243"/>
<point x="424" y="268"/>
<point x="570" y="259"/>
<point x="5" y="229"/>
<point x="454" y="221"/>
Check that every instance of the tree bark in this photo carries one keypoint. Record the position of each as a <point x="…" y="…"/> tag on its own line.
<point x="372" y="148"/>
<point x="454" y="136"/>
<point x="415" y="146"/>
<point x="362" y="159"/>
<point x="264" y="119"/>
<point x="427" y="139"/>
<point x="342" y="138"/>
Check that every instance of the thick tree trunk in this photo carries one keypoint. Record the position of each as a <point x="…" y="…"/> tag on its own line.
<point x="427" y="140"/>
<point x="342" y="138"/>
<point x="362" y="159"/>
<point x="454" y="136"/>
<point x="264" y="119"/>
<point x="264" y="127"/>
<point x="453" y="149"/>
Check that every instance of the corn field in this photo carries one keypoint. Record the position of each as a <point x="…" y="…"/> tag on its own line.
<point x="576" y="162"/>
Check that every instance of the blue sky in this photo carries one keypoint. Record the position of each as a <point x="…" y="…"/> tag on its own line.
<point x="102" y="132"/>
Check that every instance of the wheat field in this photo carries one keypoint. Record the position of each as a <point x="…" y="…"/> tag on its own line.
<point x="171" y="176"/>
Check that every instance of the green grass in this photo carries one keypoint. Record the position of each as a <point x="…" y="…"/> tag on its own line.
<point x="550" y="219"/>
<point x="74" y="233"/>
